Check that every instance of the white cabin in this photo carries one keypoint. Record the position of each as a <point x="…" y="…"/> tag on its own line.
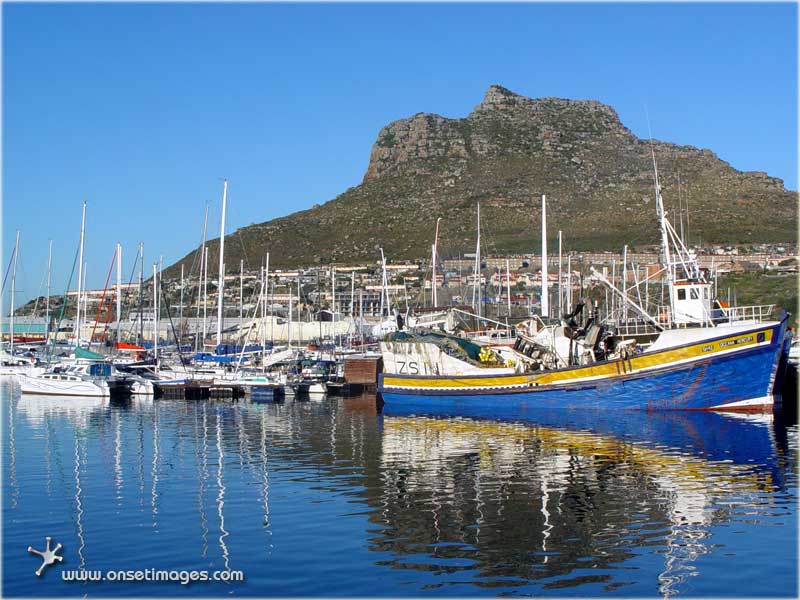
<point x="691" y="302"/>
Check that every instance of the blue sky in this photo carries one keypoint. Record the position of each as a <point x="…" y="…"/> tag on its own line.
<point x="142" y="109"/>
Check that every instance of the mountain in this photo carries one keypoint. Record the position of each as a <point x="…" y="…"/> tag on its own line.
<point x="597" y="175"/>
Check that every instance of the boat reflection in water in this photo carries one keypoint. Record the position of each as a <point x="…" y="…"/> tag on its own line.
<point x="568" y="498"/>
<point x="326" y="498"/>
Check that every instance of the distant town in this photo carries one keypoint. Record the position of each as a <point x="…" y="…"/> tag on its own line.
<point x="506" y="282"/>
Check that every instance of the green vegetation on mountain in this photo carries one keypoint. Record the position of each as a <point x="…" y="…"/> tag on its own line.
<point x="762" y="287"/>
<point x="597" y="175"/>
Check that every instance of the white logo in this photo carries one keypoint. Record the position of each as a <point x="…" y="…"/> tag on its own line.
<point x="48" y="556"/>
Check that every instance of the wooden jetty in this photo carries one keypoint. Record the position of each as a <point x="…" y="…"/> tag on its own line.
<point x="199" y="390"/>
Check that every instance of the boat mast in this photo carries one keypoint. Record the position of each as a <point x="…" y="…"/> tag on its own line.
<point x="221" y="286"/>
<point x="560" y="287"/>
<point x="119" y="286"/>
<point x="160" y="291"/>
<point x="180" y="307"/>
<point x="241" y="296"/>
<point x="47" y="301"/>
<point x="434" y="251"/>
<point x="625" y="278"/>
<point x="83" y="291"/>
<point x="201" y="282"/>
<point x="13" y="292"/>
<point x="352" y="294"/>
<point x="80" y="278"/>
<point x="205" y="295"/>
<point x="508" y="287"/>
<point x="155" y="311"/>
<point x="141" y="292"/>
<point x="289" y="331"/>
<point x="662" y="222"/>
<point x="264" y="292"/>
<point x="384" y="283"/>
<point x="545" y="282"/>
<point x="476" y="284"/>
<point x="568" y="291"/>
<point x="360" y="314"/>
<point x="680" y="207"/>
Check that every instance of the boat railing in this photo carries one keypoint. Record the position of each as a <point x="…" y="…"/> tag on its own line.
<point x="731" y="314"/>
<point x="499" y="334"/>
<point x="755" y="313"/>
<point x="634" y="328"/>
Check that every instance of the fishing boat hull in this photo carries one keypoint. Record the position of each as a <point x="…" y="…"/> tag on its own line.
<point x="726" y="372"/>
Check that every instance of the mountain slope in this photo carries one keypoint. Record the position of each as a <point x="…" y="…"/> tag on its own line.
<point x="597" y="176"/>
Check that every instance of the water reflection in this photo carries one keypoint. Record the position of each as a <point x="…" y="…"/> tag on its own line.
<point x="552" y="502"/>
<point x="79" y="458"/>
<point x="527" y="502"/>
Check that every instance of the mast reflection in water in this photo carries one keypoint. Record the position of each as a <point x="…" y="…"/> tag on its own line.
<point x="334" y="498"/>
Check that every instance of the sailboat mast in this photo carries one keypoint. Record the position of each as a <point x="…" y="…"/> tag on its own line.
<point x="141" y="292"/>
<point x="80" y="278"/>
<point x="680" y="207"/>
<point x="476" y="284"/>
<point x="264" y="292"/>
<point x="83" y="291"/>
<point x="201" y="282"/>
<point x="221" y="286"/>
<point x="568" y="291"/>
<point x="299" y="296"/>
<point x="180" y="307"/>
<point x="545" y="282"/>
<point x="158" y="298"/>
<point x="383" y="282"/>
<point x="352" y="293"/>
<point x="625" y="278"/>
<point x="119" y="286"/>
<point x="205" y="295"/>
<point x="289" y="332"/>
<point x="47" y="301"/>
<point x="333" y="304"/>
<point x="241" y="296"/>
<point x="560" y="287"/>
<point x="434" y="252"/>
<point x="508" y="287"/>
<point x="13" y="292"/>
<point x="155" y="311"/>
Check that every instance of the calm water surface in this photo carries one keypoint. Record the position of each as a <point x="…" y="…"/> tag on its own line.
<point x="336" y="498"/>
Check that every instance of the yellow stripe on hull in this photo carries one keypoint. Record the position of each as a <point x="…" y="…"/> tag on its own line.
<point x="606" y="370"/>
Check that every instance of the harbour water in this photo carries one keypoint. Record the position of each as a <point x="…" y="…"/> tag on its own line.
<point x="339" y="498"/>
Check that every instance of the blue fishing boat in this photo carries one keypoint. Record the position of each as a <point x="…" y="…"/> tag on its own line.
<point x="697" y="354"/>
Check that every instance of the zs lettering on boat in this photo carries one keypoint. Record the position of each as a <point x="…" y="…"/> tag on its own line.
<point x="408" y="368"/>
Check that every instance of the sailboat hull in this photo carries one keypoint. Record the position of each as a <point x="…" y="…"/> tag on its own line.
<point x="735" y="372"/>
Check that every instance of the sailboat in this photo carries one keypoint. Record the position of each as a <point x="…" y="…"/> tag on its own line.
<point x="705" y="356"/>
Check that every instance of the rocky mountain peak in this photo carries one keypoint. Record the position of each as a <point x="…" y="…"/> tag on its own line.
<point x="597" y="175"/>
<point x="498" y="98"/>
